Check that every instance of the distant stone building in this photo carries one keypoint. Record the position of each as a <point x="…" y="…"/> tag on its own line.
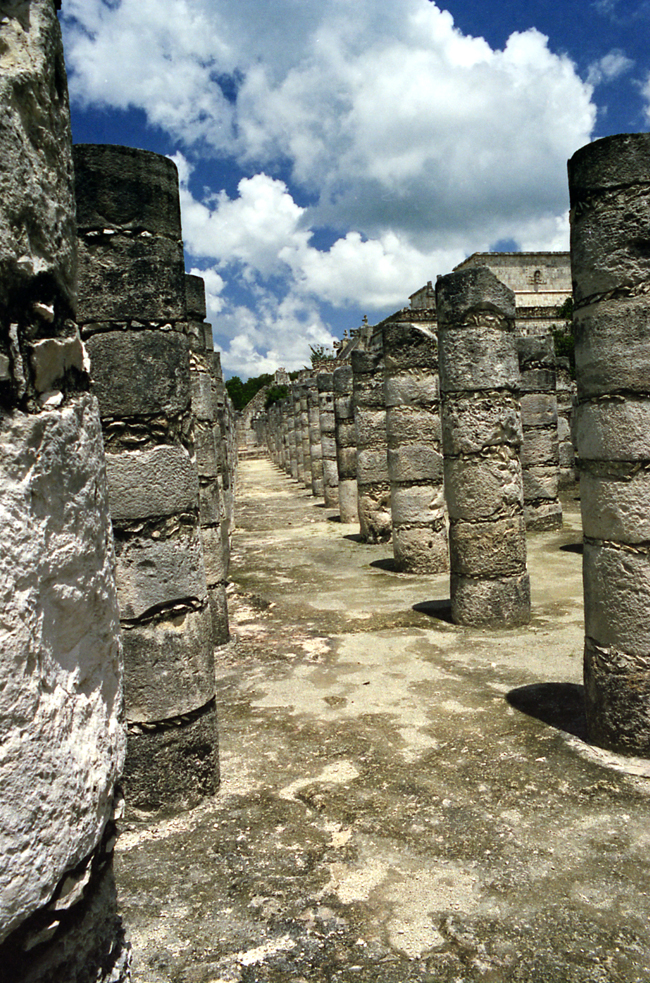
<point x="541" y="283"/>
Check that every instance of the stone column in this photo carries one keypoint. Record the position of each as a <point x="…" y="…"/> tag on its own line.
<point x="61" y="723"/>
<point x="296" y="395"/>
<point x="132" y="309"/>
<point x="565" y="390"/>
<point x="346" y="443"/>
<point x="414" y="437"/>
<point x="482" y="434"/>
<point x="293" y="437"/>
<point x="328" y="439"/>
<point x="609" y="183"/>
<point x="207" y="437"/>
<point x="315" y="446"/>
<point x="283" y="418"/>
<point x="226" y="440"/>
<point x="304" y="433"/>
<point x="373" y="485"/>
<point x="539" y="451"/>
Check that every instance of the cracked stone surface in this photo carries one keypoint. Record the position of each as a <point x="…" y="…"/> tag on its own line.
<point x="402" y="799"/>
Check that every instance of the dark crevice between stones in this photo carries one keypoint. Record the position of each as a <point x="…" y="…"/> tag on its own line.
<point x="171" y="723"/>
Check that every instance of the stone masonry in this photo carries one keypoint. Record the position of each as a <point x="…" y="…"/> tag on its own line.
<point x="328" y="439"/>
<point x="315" y="445"/>
<point x="415" y="467"/>
<point x="132" y="307"/>
<point x="609" y="184"/>
<point x="373" y="484"/>
<point x="539" y="451"/>
<point x="207" y="438"/>
<point x="346" y="443"/>
<point x="61" y="728"/>
<point x="482" y="434"/>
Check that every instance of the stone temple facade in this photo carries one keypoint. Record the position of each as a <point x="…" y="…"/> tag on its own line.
<point x="541" y="283"/>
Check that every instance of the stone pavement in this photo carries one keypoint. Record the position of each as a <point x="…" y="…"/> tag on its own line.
<point x="402" y="799"/>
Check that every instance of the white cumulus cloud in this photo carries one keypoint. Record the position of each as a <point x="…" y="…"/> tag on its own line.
<point x="411" y="142"/>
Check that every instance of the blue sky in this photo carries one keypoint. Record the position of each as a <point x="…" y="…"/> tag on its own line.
<point x="334" y="155"/>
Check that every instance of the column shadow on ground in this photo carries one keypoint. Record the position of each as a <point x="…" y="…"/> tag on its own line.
<point x="435" y="609"/>
<point x="388" y="563"/>
<point x="560" y="705"/>
<point x="571" y="548"/>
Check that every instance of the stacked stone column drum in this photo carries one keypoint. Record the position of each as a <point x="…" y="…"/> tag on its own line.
<point x="346" y="443"/>
<point x="296" y="442"/>
<point x="207" y="438"/>
<point x="539" y="451"/>
<point x="415" y="467"/>
<point x="302" y="434"/>
<point x="328" y="439"/>
<point x="132" y="306"/>
<point x="373" y="484"/>
<point x="609" y="183"/>
<point x="226" y="441"/>
<point x="61" y="733"/>
<point x="482" y="435"/>
<point x="315" y="446"/>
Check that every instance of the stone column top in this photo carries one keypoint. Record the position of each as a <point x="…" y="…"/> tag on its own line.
<point x="124" y="188"/>
<point x="195" y="296"/>
<point x="611" y="162"/>
<point x="475" y="290"/>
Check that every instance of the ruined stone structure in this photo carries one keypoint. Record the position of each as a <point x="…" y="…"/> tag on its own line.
<point x="566" y="394"/>
<point x="346" y="443"/>
<point x="328" y="439"/>
<point x="302" y="433"/>
<point x="482" y="434"/>
<point x="414" y="439"/>
<point x="610" y="200"/>
<point x="225" y="435"/>
<point x="315" y="446"/>
<point x="132" y="310"/>
<point x="373" y="483"/>
<point x="61" y="732"/>
<point x="539" y="451"/>
<point x="207" y="439"/>
<point x="541" y="283"/>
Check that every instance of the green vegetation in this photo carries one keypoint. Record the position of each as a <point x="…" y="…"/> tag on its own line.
<point x="563" y="338"/>
<point x="241" y="393"/>
<point x="275" y="395"/>
<point x="319" y="353"/>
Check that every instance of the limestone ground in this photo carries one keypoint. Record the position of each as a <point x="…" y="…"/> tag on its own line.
<point x="402" y="799"/>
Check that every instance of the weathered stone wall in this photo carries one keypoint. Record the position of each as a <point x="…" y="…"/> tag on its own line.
<point x="482" y="434"/>
<point x="132" y="308"/>
<point x="61" y="732"/>
<point x="609" y="184"/>
<point x="414" y="437"/>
